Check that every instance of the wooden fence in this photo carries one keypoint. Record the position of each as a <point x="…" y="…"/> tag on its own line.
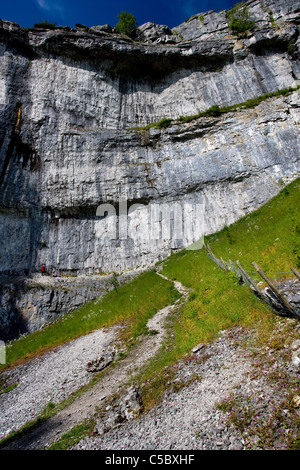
<point x="244" y="276"/>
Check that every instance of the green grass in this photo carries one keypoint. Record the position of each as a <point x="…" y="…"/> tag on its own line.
<point x="239" y="22"/>
<point x="269" y="236"/>
<point x="133" y="303"/>
<point x="46" y="413"/>
<point x="8" y="389"/>
<point x="73" y="436"/>
<point x="162" y="124"/>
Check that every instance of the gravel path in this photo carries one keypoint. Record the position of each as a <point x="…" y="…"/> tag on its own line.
<point x="58" y="374"/>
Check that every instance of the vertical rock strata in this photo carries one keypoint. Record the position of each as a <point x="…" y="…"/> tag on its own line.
<point x="69" y="103"/>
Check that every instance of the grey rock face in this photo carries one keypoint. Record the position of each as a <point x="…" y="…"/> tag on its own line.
<point x="210" y="162"/>
<point x="28" y="303"/>
<point x="68" y="100"/>
<point x="153" y="33"/>
<point x="105" y="28"/>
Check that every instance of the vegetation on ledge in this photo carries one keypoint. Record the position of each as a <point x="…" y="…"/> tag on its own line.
<point x="216" y="110"/>
<point x="45" y="25"/>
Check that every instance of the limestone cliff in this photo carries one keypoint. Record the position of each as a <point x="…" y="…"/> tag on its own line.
<point x="69" y="103"/>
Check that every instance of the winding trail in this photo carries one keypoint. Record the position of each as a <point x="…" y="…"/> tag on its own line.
<point x="122" y="371"/>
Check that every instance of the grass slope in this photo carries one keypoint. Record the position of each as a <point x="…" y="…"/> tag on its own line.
<point x="271" y="237"/>
<point x="133" y="303"/>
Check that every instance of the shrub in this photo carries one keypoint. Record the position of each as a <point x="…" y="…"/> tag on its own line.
<point x="114" y="281"/>
<point x="238" y="17"/>
<point x="164" y="123"/>
<point x="213" y="110"/>
<point x="127" y="24"/>
<point x="81" y="26"/>
<point x="45" y="25"/>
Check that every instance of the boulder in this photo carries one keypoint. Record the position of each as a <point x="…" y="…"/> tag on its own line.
<point x="127" y="407"/>
<point x="99" y="364"/>
<point x="105" y="28"/>
<point x="151" y="32"/>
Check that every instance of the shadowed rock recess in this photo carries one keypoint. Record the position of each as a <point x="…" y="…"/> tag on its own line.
<point x="72" y="107"/>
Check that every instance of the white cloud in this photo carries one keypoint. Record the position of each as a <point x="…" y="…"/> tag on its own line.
<point x="49" y="5"/>
<point x="43" y="4"/>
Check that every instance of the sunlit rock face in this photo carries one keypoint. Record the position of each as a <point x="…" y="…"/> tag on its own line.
<point x="82" y="191"/>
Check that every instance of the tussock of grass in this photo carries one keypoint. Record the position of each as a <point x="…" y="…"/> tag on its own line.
<point x="162" y="124"/>
<point x="73" y="436"/>
<point x="8" y="389"/>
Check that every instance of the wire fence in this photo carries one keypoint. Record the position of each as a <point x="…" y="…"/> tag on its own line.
<point x="272" y="275"/>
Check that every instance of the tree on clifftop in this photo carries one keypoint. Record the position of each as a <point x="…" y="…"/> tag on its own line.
<point x="127" y="24"/>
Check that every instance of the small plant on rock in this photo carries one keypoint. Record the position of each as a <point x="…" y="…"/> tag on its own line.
<point x="81" y="26"/>
<point x="239" y="22"/>
<point x="214" y="111"/>
<point x="114" y="281"/>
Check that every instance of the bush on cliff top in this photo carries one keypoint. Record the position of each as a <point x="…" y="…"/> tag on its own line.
<point x="127" y="24"/>
<point x="45" y="25"/>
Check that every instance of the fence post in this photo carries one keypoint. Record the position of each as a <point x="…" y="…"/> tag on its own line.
<point x="233" y="268"/>
<point x="248" y="279"/>
<point x="220" y="262"/>
<point x="296" y="272"/>
<point x="278" y="294"/>
<point x="225" y="265"/>
<point x="2" y="352"/>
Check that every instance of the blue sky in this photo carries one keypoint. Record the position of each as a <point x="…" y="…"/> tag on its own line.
<point x="97" y="12"/>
